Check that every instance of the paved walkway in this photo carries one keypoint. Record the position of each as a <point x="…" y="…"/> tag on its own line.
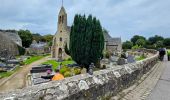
<point x="151" y="86"/>
<point x="18" y="80"/>
<point x="162" y="89"/>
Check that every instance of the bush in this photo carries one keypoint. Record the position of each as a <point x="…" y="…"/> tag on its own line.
<point x="77" y="71"/>
<point x="69" y="59"/>
<point x="168" y="52"/>
<point x="64" y="69"/>
<point x="67" y="74"/>
<point x="21" y="63"/>
<point x="107" y="55"/>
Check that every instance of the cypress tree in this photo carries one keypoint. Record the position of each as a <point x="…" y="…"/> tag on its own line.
<point x="86" y="40"/>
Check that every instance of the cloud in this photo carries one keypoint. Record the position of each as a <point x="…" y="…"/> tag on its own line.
<point x="122" y="18"/>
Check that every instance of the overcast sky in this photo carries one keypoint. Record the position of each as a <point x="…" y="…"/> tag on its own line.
<point x="122" y="18"/>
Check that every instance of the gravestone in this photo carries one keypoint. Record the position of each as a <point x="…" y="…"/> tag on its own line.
<point x="84" y="71"/>
<point x="131" y="59"/>
<point x="121" y="61"/>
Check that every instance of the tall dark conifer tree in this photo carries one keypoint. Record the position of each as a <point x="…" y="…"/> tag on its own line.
<point x="86" y="40"/>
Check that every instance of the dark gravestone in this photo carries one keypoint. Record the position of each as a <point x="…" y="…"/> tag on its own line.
<point x="131" y="59"/>
<point x="121" y="61"/>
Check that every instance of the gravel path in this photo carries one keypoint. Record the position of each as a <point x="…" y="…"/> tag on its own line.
<point x="18" y="80"/>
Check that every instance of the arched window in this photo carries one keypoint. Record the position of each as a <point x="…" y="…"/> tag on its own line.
<point x="60" y="19"/>
<point x="63" y="19"/>
<point x="60" y="39"/>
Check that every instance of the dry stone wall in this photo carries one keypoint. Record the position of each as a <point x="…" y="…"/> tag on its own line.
<point x="101" y="85"/>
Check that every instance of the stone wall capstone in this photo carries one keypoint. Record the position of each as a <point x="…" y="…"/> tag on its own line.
<point x="103" y="84"/>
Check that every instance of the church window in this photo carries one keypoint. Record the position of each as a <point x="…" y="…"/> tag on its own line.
<point x="60" y="39"/>
<point x="62" y="19"/>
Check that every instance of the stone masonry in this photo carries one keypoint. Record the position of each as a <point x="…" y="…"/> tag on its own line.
<point x="102" y="85"/>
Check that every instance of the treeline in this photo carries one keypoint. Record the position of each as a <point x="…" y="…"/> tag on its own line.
<point x="27" y="37"/>
<point x="154" y="42"/>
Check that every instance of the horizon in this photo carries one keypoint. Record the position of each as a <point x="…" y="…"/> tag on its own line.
<point x="131" y="17"/>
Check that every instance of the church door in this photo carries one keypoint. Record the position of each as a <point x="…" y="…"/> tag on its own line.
<point x="60" y="53"/>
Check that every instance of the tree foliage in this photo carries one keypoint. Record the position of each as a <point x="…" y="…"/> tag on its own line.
<point x="140" y="42"/>
<point x="26" y="37"/>
<point x="86" y="40"/>
<point x="155" y="39"/>
<point x="135" y="38"/>
<point x="127" y="45"/>
<point x="166" y="42"/>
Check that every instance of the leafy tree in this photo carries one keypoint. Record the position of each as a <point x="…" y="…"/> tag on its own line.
<point x="37" y="37"/>
<point x="166" y="42"/>
<point x="155" y="39"/>
<point x="26" y="37"/>
<point x="159" y="44"/>
<point x="86" y="40"/>
<point x="140" y="42"/>
<point x="127" y="45"/>
<point x="48" y="37"/>
<point x="136" y="47"/>
<point x="137" y="37"/>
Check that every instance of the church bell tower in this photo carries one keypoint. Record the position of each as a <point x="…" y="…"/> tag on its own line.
<point x="62" y="19"/>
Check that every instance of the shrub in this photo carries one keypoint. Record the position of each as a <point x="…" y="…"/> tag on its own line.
<point x="69" y="59"/>
<point x="21" y="63"/>
<point x="168" y="52"/>
<point x="77" y="71"/>
<point x="67" y="74"/>
<point x="64" y="69"/>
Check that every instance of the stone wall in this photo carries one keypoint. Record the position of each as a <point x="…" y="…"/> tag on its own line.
<point x="101" y="85"/>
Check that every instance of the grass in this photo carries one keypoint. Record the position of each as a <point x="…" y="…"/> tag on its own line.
<point x="168" y="52"/>
<point x="138" y="58"/>
<point x="32" y="59"/>
<point x="9" y="73"/>
<point x="56" y="64"/>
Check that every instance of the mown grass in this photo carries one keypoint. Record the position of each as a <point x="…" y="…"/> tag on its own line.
<point x="139" y="58"/>
<point x="55" y="64"/>
<point x="9" y="73"/>
<point x="32" y="59"/>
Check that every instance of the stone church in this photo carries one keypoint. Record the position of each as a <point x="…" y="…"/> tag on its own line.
<point x="62" y="37"/>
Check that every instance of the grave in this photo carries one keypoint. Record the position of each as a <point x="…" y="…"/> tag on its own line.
<point x="131" y="59"/>
<point x="39" y="74"/>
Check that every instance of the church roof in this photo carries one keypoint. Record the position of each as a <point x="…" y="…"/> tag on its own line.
<point x="62" y="10"/>
<point x="110" y="40"/>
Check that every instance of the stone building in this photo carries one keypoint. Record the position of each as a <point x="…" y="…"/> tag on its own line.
<point x="13" y="35"/>
<point x="113" y="45"/>
<point x="61" y="37"/>
<point x="38" y="48"/>
<point x="63" y="33"/>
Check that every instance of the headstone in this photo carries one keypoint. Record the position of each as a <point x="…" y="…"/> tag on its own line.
<point x="121" y="61"/>
<point x="131" y="59"/>
<point x="84" y="71"/>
